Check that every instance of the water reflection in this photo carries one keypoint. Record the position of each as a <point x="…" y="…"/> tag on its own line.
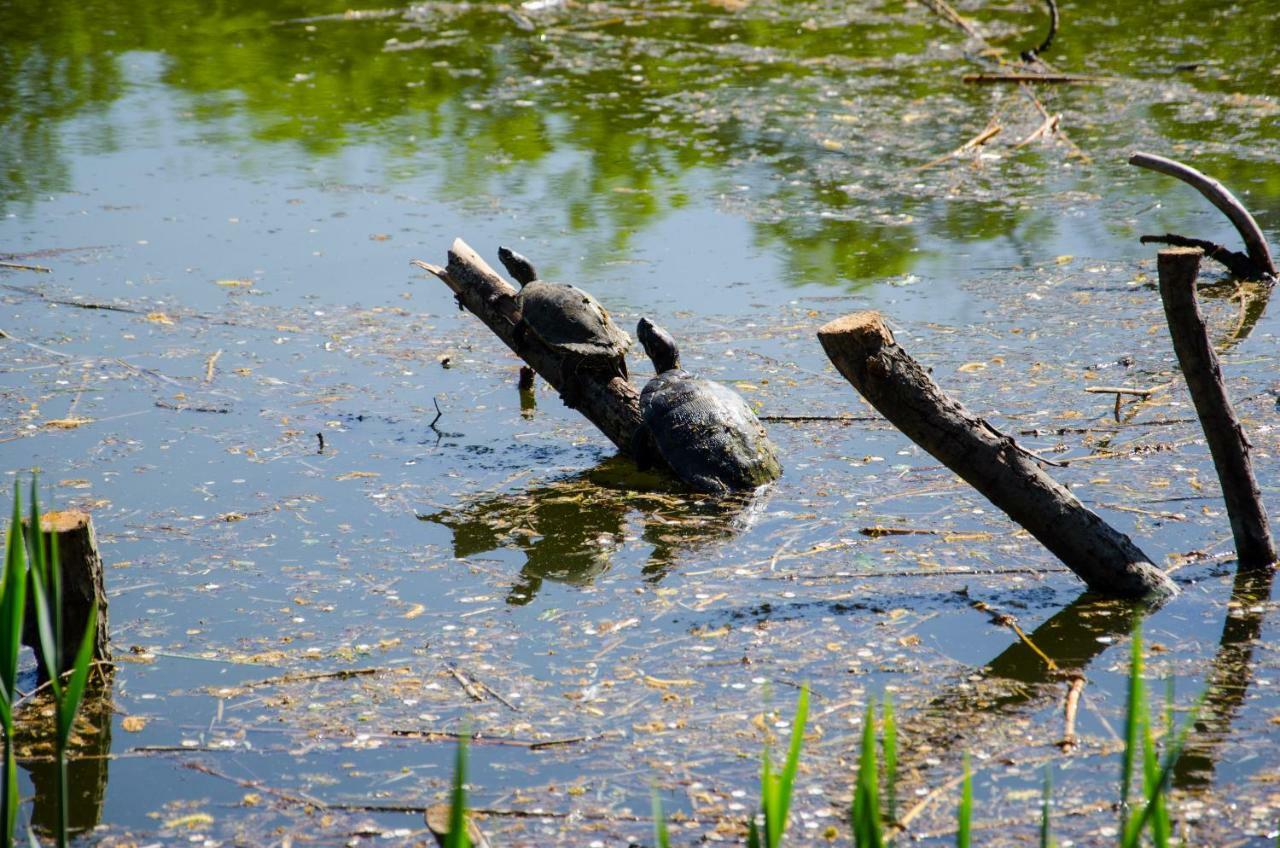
<point x="1229" y="678"/>
<point x="571" y="530"/>
<point x="807" y="119"/>
<point x="89" y="757"/>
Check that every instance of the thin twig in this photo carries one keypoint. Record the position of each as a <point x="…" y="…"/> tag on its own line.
<point x="1072" y="705"/>
<point x="1039" y="79"/>
<point x="1237" y="263"/>
<point x="18" y="266"/>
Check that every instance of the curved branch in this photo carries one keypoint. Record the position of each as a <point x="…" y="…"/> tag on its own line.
<point x="1029" y="55"/>
<point x="1217" y="194"/>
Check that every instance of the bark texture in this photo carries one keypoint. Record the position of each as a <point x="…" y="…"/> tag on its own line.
<point x="1178" y="267"/>
<point x="864" y="351"/>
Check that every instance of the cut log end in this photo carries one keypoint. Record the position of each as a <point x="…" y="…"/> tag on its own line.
<point x="63" y="521"/>
<point x="861" y="329"/>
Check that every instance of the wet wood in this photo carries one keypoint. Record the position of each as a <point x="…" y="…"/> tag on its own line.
<point x="83" y="587"/>
<point x="609" y="402"/>
<point x="1216" y="193"/>
<point x="864" y="351"/>
<point x="1178" y="267"/>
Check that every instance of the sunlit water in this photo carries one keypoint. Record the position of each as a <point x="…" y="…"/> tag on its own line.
<point x="247" y="186"/>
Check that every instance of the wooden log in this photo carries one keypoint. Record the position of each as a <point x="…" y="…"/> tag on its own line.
<point x="1226" y="203"/>
<point x="609" y="402"/>
<point x="1178" y="267"/>
<point x="83" y="587"/>
<point x="864" y="351"/>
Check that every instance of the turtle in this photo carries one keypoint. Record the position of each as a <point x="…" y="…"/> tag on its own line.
<point x="702" y="430"/>
<point x="569" y="321"/>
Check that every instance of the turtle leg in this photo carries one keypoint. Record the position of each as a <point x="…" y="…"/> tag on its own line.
<point x="710" y="485"/>
<point x="570" y="390"/>
<point x="643" y="450"/>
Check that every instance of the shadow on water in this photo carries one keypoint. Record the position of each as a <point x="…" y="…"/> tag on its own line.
<point x="89" y="758"/>
<point x="571" y="529"/>
<point x="1227" y="683"/>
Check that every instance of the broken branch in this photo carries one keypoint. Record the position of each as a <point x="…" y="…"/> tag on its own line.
<point x="864" y="351"/>
<point x="1225" y="202"/>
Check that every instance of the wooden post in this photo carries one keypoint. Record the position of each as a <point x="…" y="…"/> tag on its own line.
<point x="864" y="351"/>
<point x="610" y="403"/>
<point x="82" y="587"/>
<point x="1178" y="267"/>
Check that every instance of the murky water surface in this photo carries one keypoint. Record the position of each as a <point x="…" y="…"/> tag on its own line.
<point x="243" y="372"/>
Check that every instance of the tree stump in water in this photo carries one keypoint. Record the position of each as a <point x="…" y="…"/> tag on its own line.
<point x="864" y="351"/>
<point x="83" y="587"/>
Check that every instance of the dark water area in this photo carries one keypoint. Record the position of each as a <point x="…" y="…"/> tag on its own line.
<point x="227" y="199"/>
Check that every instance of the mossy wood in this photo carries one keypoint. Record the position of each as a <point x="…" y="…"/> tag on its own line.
<point x="608" y="401"/>
<point x="864" y="351"/>
<point x="83" y="587"/>
<point x="1178" y="268"/>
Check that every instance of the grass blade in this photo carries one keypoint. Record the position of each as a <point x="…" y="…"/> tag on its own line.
<point x="661" y="838"/>
<point x="458" y="836"/>
<point x="776" y="819"/>
<point x="890" y="742"/>
<point x="1134" y="712"/>
<point x="79" y="678"/>
<point x="865" y="812"/>
<point x="964" y="817"/>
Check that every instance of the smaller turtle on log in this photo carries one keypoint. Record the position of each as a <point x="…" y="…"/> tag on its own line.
<point x="704" y="431"/>
<point x="569" y="321"/>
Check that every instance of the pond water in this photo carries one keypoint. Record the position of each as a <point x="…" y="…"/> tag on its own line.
<point x="227" y="199"/>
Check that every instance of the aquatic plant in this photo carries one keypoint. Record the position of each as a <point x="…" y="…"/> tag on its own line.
<point x="46" y="585"/>
<point x="864" y="814"/>
<point x="13" y="594"/>
<point x="458" y="836"/>
<point x="776" y="788"/>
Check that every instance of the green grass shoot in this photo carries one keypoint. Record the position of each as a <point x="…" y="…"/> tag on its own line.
<point x="458" y="836"/>
<point x="661" y="838"/>
<point x="964" y="815"/>
<point x="46" y="585"/>
<point x="13" y="595"/>
<point x="864" y="815"/>
<point x="776" y="788"/>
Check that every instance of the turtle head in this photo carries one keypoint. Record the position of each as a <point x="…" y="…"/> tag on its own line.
<point x="517" y="266"/>
<point x="659" y="345"/>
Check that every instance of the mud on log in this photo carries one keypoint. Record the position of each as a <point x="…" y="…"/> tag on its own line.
<point x="83" y="587"/>
<point x="610" y="403"/>
<point x="1228" y="444"/>
<point x="864" y="351"/>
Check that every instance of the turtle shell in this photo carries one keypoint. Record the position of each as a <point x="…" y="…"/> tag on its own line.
<point x="567" y="318"/>
<point x="706" y="433"/>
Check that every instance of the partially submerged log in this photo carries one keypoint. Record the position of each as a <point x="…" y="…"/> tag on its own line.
<point x="864" y="351"/>
<point x="1178" y="267"/>
<point x="1258" y="264"/>
<point x="83" y="588"/>
<point x="609" y="402"/>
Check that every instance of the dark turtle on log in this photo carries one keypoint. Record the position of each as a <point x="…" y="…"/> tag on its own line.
<point x="704" y="431"/>
<point x="568" y="320"/>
